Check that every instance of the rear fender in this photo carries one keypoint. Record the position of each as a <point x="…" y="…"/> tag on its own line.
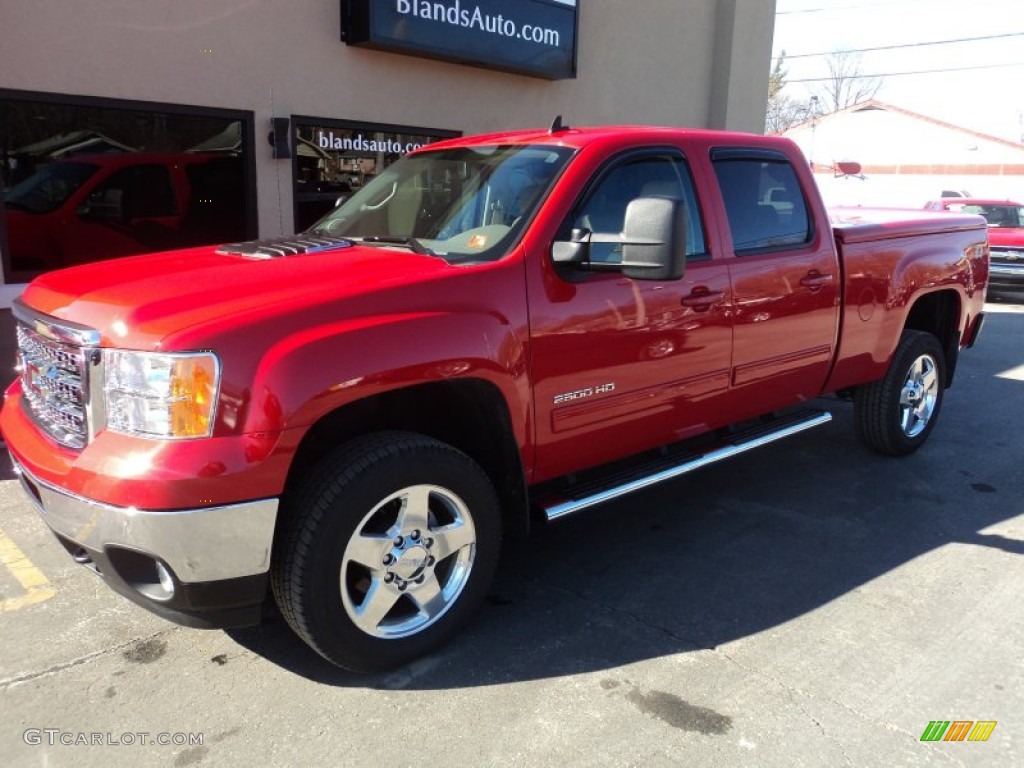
<point x="925" y="283"/>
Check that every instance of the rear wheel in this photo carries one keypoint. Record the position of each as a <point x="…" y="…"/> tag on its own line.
<point x="895" y="415"/>
<point x="392" y="544"/>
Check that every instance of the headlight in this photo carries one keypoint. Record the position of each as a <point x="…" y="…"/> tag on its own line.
<point x="160" y="395"/>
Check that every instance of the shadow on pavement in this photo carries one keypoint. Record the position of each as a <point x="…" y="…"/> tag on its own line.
<point x="730" y="551"/>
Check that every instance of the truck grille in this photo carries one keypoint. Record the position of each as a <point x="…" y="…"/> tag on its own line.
<point x="1009" y="255"/>
<point x="53" y="381"/>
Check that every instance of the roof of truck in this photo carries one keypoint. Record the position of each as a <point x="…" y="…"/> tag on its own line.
<point x="579" y="137"/>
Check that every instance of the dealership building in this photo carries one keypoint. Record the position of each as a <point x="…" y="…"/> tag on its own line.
<point x="136" y="126"/>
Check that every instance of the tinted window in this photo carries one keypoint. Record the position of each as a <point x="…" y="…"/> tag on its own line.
<point x="142" y="192"/>
<point x="215" y="210"/>
<point x="47" y="190"/>
<point x="603" y="209"/>
<point x="1010" y="216"/>
<point x="85" y="179"/>
<point x="764" y="203"/>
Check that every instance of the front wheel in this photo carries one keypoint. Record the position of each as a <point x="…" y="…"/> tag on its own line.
<point x="895" y="414"/>
<point x="392" y="544"/>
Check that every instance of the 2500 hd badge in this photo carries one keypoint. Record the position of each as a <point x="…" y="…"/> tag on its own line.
<point x="580" y="394"/>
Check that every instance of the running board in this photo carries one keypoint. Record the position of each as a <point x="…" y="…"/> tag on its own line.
<point x="592" y="494"/>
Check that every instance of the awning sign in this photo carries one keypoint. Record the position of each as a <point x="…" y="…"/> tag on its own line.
<point x="530" y="37"/>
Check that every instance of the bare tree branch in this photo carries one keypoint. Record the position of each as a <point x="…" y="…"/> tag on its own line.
<point x="846" y="85"/>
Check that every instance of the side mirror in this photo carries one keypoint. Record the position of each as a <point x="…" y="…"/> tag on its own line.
<point x="654" y="239"/>
<point x="575" y="250"/>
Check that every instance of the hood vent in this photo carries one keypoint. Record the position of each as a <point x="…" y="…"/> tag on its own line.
<point x="277" y="247"/>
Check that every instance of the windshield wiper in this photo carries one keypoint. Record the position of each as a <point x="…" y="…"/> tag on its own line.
<point x="413" y="244"/>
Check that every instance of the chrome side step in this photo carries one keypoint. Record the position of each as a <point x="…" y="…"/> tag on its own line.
<point x="594" y="494"/>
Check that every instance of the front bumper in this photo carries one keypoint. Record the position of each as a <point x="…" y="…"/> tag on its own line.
<point x="205" y="567"/>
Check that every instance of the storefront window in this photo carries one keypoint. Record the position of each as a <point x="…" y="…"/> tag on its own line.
<point x="333" y="159"/>
<point x="92" y="179"/>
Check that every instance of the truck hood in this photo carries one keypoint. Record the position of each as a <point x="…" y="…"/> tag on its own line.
<point x="140" y="301"/>
<point x="1006" y="236"/>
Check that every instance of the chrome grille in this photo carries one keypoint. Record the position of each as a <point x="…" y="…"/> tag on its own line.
<point x="53" y="381"/>
<point x="1011" y="255"/>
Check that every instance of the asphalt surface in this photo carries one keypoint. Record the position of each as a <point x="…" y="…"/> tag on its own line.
<point x="810" y="604"/>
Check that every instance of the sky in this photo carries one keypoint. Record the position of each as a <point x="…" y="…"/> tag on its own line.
<point x="982" y="87"/>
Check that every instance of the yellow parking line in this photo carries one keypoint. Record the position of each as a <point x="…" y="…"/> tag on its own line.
<point x="33" y="581"/>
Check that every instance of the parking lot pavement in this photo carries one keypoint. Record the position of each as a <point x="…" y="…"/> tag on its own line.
<point x="807" y="605"/>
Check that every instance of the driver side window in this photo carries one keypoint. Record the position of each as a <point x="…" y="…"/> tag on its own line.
<point x="603" y="209"/>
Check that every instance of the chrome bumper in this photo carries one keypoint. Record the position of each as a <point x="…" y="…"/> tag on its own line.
<point x="198" y="545"/>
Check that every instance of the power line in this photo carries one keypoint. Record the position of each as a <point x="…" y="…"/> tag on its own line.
<point x="907" y="45"/>
<point x="901" y="74"/>
<point x="857" y="6"/>
<point x="845" y="7"/>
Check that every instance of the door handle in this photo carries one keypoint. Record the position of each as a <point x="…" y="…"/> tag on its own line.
<point x="701" y="298"/>
<point x="816" y="280"/>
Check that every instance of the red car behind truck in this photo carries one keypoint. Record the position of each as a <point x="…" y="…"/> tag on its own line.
<point x="349" y="419"/>
<point x="1005" y="235"/>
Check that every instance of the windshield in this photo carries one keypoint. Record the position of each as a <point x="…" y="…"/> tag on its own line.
<point x="463" y="204"/>
<point x="998" y="215"/>
<point x="48" y="188"/>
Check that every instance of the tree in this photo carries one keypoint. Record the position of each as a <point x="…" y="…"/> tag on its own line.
<point x="783" y="112"/>
<point x="846" y="85"/>
<point x="777" y="78"/>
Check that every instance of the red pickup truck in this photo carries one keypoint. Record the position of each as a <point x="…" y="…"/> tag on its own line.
<point x="1005" y="235"/>
<point x="351" y="419"/>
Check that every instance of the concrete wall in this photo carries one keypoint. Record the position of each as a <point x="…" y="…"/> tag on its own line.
<point x="701" y="63"/>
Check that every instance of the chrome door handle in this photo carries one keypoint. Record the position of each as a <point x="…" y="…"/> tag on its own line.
<point x="816" y="280"/>
<point x="702" y="298"/>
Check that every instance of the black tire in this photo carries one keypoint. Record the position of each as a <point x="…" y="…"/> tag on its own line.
<point x="391" y="544"/>
<point x="895" y="414"/>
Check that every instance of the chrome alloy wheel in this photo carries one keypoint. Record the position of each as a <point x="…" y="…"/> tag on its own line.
<point x="918" y="396"/>
<point x="407" y="562"/>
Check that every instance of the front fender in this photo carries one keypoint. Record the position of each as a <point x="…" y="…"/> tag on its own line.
<point x="305" y="376"/>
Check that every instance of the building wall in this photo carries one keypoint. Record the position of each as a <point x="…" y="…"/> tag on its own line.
<point x="906" y="159"/>
<point x="701" y="63"/>
<point x="913" y="190"/>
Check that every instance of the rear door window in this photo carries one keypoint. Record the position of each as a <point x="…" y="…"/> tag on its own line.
<point x="141" y="192"/>
<point x="763" y="200"/>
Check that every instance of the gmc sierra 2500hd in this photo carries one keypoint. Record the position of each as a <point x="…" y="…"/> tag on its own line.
<point x="349" y="419"/>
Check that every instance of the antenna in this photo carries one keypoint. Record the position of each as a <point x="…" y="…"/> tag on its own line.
<point x="556" y="125"/>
